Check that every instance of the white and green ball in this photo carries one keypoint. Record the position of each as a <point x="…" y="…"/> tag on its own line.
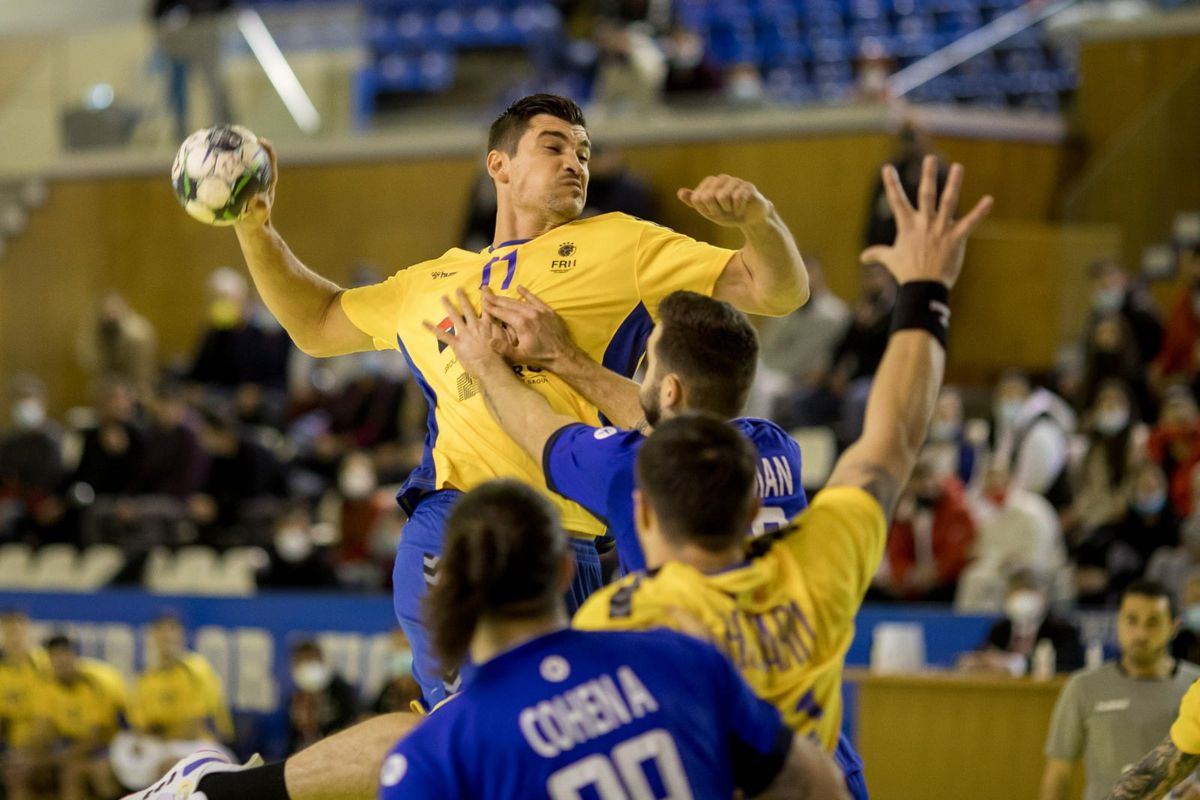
<point x="217" y="171"/>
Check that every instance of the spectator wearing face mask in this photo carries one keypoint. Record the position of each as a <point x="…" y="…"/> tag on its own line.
<point x="1027" y="621"/>
<point x="1123" y="549"/>
<point x="239" y="344"/>
<point x="31" y="464"/>
<point x="1177" y="358"/>
<point x="1175" y="444"/>
<point x="1173" y="567"/>
<point x="1116" y="444"/>
<point x="294" y="560"/>
<point x="951" y="449"/>
<point x="1032" y="430"/>
<point x="1112" y="354"/>
<point x="1115" y="291"/>
<point x="1017" y="531"/>
<point x="929" y="542"/>
<point x="322" y="702"/>
<point x="400" y="689"/>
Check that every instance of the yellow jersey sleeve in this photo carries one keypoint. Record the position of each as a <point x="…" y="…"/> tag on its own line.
<point x="666" y="261"/>
<point x="837" y="544"/>
<point x="214" y="694"/>
<point x="1185" y="732"/>
<point x="375" y="309"/>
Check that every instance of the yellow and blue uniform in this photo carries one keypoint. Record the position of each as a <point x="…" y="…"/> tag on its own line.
<point x="91" y="705"/>
<point x="184" y="701"/>
<point x="785" y="617"/>
<point x="23" y="685"/>
<point x="605" y="276"/>
<point x="1185" y="732"/>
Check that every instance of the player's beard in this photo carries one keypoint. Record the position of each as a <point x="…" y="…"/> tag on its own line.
<point x="566" y="205"/>
<point x="648" y="399"/>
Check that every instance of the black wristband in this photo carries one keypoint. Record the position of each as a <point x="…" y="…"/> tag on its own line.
<point x="923" y="305"/>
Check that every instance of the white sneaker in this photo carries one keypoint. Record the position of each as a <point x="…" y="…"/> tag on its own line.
<point x="181" y="780"/>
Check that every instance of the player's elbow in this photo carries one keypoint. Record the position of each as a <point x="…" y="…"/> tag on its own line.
<point x="780" y="301"/>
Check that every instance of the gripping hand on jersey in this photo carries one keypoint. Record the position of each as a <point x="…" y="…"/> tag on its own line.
<point x="537" y="335"/>
<point x="476" y="339"/>
<point x="727" y="201"/>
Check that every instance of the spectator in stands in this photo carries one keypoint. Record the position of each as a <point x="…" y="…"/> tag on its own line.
<point x="112" y="451"/>
<point x="240" y="345"/>
<point x="1175" y="444"/>
<point x="179" y="698"/>
<point x="1115" y="291"/>
<point x="612" y="186"/>
<point x="912" y="145"/>
<point x="952" y="449"/>
<point x="841" y="392"/>
<point x="24" y="673"/>
<point x="1017" y="531"/>
<point x="1027" y="621"/>
<point x="1186" y="645"/>
<point x="85" y="702"/>
<point x="31" y="464"/>
<point x="1116" y="445"/>
<point x="174" y="464"/>
<point x="322" y="702"/>
<point x="243" y="477"/>
<point x="797" y="350"/>
<point x="1110" y="715"/>
<point x="1177" y="360"/>
<point x="930" y="540"/>
<point x="119" y="343"/>
<point x="1032" y="427"/>
<point x="690" y="69"/>
<point x="1112" y="355"/>
<point x="1118" y="553"/>
<point x="189" y="34"/>
<point x="631" y="68"/>
<point x="1174" y="567"/>
<point x="400" y="688"/>
<point x="296" y="562"/>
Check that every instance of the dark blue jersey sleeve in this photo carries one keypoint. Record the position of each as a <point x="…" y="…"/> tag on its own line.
<point x="581" y="462"/>
<point x="419" y="766"/>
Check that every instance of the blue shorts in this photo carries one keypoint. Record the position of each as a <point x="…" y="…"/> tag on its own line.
<point x="852" y="767"/>
<point x="417" y="560"/>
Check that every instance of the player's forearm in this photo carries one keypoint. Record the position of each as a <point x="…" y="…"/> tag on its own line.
<point x="524" y="414"/>
<point x="615" y="395"/>
<point x="1158" y="771"/>
<point x="298" y="297"/>
<point x="1056" y="780"/>
<point x="778" y="277"/>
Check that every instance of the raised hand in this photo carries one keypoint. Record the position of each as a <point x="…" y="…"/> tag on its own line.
<point x="536" y="334"/>
<point x="258" y="210"/>
<point x="727" y="201"/>
<point x="930" y="243"/>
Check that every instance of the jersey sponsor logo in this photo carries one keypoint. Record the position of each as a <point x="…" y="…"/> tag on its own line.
<point x="603" y="433"/>
<point x="394" y="770"/>
<point x="555" y="669"/>
<point x="1112" y="705"/>
<point x="467" y="387"/>
<point x="585" y="712"/>
<point x="566" y="249"/>
<point x="438" y="274"/>
<point x="942" y="310"/>
<point x="564" y="262"/>
<point x="775" y="478"/>
<point x="445" y="326"/>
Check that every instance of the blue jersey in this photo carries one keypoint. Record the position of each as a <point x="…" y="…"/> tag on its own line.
<point x="595" y="468"/>
<point x="578" y="714"/>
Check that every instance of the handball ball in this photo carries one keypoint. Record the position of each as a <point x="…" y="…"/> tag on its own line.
<point x="217" y="171"/>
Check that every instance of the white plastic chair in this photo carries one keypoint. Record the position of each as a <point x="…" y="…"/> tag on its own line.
<point x="239" y="566"/>
<point x="54" y="568"/>
<point x="197" y="570"/>
<point x="98" y="565"/>
<point x="15" y="561"/>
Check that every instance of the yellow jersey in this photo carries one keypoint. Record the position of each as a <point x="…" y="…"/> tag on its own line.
<point x="183" y="701"/>
<point x="23" y="686"/>
<point x="785" y="617"/>
<point x="604" y="275"/>
<point x="93" y="702"/>
<point x="1185" y="732"/>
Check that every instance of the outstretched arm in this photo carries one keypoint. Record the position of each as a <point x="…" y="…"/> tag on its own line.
<point x="926" y="261"/>
<point x="767" y="276"/>
<point x="523" y="413"/>
<point x="537" y="336"/>
<point x="307" y="305"/>
<point x="1155" y="775"/>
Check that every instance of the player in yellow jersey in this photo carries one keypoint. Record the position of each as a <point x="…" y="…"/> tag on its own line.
<point x="85" y="701"/>
<point x="605" y="275"/>
<point x="1169" y="764"/>
<point x="24" y="674"/>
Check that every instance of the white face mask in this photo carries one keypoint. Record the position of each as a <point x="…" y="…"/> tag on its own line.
<point x="356" y="483"/>
<point x="312" y="676"/>
<point x="1191" y="617"/>
<point x="1007" y="412"/>
<point x="1025" y="607"/>
<point x="28" y="414"/>
<point x="293" y="544"/>
<point x="941" y="430"/>
<point x="1107" y="299"/>
<point x="1113" y="420"/>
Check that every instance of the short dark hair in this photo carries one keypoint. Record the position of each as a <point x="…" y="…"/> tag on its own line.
<point x="508" y="128"/>
<point x="307" y="647"/>
<point x="502" y="551"/>
<point x="1151" y="589"/>
<point x="59" y="641"/>
<point x="712" y="347"/>
<point x="699" y="476"/>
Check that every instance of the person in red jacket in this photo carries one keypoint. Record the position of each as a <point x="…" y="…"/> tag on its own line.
<point x="929" y="542"/>
<point x="1178" y="358"/>
<point x="1175" y="445"/>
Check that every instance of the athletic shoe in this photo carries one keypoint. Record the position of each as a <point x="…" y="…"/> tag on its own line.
<point x="181" y="780"/>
